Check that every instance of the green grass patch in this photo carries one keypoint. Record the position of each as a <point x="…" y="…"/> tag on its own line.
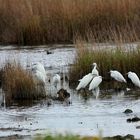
<point x="77" y="137"/>
<point x="58" y="137"/>
<point x="66" y="137"/>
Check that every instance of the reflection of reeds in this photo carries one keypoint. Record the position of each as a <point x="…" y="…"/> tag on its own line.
<point x="120" y="58"/>
<point x="18" y="84"/>
<point x="45" y="21"/>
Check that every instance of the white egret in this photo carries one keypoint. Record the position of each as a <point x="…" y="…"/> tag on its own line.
<point x="39" y="77"/>
<point x="38" y="66"/>
<point x="95" y="82"/>
<point x="95" y="71"/>
<point x="84" y="81"/>
<point x="56" y="80"/>
<point x="40" y="81"/>
<point x="117" y="76"/>
<point x="134" y="78"/>
<point x="96" y="92"/>
<point x="87" y="78"/>
<point x="1" y="97"/>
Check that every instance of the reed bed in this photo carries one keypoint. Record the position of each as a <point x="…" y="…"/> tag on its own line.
<point x="123" y="57"/>
<point x="37" y="22"/>
<point x="18" y="84"/>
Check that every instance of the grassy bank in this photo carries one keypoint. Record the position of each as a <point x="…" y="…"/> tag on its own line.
<point x="75" y="137"/>
<point x="19" y="84"/>
<point x="36" y="22"/>
<point x="121" y="58"/>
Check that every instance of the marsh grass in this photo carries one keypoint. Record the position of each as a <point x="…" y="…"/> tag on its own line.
<point x="120" y="58"/>
<point x="58" y="137"/>
<point x="36" y="22"/>
<point x="18" y="84"/>
<point x="66" y="137"/>
<point x="77" y="137"/>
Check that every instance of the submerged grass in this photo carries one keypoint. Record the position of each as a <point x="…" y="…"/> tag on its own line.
<point x="18" y="83"/>
<point x="36" y="22"/>
<point x="121" y="57"/>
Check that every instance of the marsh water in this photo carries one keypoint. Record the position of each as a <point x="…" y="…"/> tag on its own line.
<point x="84" y="116"/>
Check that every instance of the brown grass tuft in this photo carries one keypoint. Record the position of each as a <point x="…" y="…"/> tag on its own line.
<point x="18" y="84"/>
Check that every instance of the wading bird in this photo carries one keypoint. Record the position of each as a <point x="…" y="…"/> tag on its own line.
<point x="56" y="80"/>
<point x="134" y="78"/>
<point x="95" y="82"/>
<point x="39" y="77"/>
<point x="96" y="92"/>
<point x="85" y="81"/>
<point x="95" y="71"/>
<point x="87" y="78"/>
<point x="38" y="66"/>
<point x="117" y="76"/>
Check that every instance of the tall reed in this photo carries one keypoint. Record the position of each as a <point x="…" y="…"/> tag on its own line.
<point x="36" y="22"/>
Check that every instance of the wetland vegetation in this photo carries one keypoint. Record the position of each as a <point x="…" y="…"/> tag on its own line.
<point x="77" y="137"/>
<point x="18" y="83"/>
<point x="37" y="22"/>
<point x="103" y="31"/>
<point x="121" y="56"/>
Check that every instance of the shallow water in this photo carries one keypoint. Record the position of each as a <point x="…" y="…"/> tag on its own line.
<point x="84" y="116"/>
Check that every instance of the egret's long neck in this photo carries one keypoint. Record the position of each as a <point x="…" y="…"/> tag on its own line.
<point x="95" y="67"/>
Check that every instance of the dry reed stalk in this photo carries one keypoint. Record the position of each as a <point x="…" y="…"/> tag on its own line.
<point x="39" y="22"/>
